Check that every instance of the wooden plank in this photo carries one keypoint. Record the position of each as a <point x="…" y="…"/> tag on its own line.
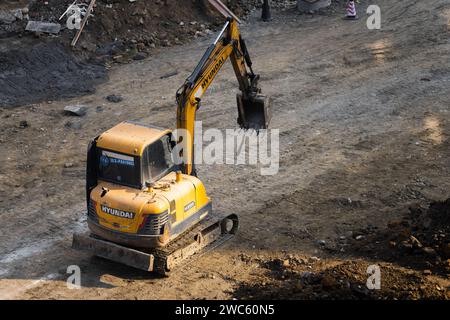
<point x="83" y="22"/>
<point x="224" y="10"/>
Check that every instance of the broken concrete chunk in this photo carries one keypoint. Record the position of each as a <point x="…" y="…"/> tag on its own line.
<point x="47" y="27"/>
<point x="77" y="110"/>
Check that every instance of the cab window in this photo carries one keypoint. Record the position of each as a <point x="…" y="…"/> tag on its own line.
<point x="158" y="159"/>
<point x="119" y="168"/>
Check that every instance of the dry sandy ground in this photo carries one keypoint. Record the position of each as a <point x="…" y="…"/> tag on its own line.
<point x="364" y="127"/>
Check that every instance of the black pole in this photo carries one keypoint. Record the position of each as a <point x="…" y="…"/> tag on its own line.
<point x="266" y="15"/>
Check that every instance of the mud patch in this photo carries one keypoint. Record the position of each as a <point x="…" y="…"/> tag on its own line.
<point x="46" y="71"/>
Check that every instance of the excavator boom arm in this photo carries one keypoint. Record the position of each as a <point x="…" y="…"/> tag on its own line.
<point x="228" y="45"/>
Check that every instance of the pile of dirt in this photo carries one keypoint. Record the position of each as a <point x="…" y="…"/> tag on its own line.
<point x="45" y="67"/>
<point x="13" y="16"/>
<point x="420" y="240"/>
<point x="140" y="25"/>
<point x="411" y="253"/>
<point x="298" y="278"/>
<point x="45" y="71"/>
<point x="425" y="235"/>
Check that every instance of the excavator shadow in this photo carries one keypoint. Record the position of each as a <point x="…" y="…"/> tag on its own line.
<point x="104" y="273"/>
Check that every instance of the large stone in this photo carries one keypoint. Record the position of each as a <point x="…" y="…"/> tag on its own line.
<point x="46" y="27"/>
<point x="77" y="110"/>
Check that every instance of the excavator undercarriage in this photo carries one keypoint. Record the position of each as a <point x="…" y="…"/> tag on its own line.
<point x="208" y="234"/>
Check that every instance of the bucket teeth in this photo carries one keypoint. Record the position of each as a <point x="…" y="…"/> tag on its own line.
<point x="254" y="112"/>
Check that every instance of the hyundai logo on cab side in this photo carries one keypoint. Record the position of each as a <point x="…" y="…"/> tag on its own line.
<point x="118" y="213"/>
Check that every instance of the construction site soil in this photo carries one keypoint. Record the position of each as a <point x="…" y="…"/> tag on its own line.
<point x="119" y="31"/>
<point x="364" y="149"/>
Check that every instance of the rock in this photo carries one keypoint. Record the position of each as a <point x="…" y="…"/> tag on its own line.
<point x="23" y="124"/>
<point x="405" y="246"/>
<point x="199" y="34"/>
<point x="360" y="237"/>
<point x="73" y="125"/>
<point x="321" y="242"/>
<point x="429" y="251"/>
<point x="415" y="242"/>
<point x="328" y="282"/>
<point x="140" y="56"/>
<point x="169" y="74"/>
<point x="76" y="110"/>
<point x="286" y="263"/>
<point x="447" y="265"/>
<point x="114" y="98"/>
<point x="89" y="46"/>
<point x="99" y="108"/>
<point x="68" y="165"/>
<point x="427" y="272"/>
<point x="307" y="277"/>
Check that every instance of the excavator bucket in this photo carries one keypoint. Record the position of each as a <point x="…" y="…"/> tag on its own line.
<point x="254" y="112"/>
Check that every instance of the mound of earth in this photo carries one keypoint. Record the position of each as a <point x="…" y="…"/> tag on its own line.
<point x="44" y="72"/>
<point x="44" y="67"/>
<point x="411" y="250"/>
<point x="420" y="240"/>
<point x="142" y="24"/>
<point x="298" y="279"/>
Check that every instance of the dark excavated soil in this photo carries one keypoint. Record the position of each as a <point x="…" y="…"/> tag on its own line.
<point x="45" y="71"/>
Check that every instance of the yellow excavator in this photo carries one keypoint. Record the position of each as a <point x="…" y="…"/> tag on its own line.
<point x="146" y="211"/>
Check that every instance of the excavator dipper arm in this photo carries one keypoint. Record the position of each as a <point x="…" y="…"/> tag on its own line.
<point x="253" y="108"/>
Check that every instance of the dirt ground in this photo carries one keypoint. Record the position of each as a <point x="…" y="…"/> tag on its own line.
<point x="364" y="166"/>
